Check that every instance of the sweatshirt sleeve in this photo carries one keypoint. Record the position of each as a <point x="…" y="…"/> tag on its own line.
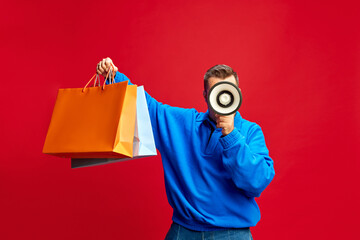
<point x="120" y="77"/>
<point x="163" y="119"/>
<point x="247" y="160"/>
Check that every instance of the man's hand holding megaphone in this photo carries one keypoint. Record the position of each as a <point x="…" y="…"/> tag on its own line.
<point x="225" y="122"/>
<point x="224" y="99"/>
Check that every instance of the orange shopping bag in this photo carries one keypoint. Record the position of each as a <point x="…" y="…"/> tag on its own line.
<point x="93" y="122"/>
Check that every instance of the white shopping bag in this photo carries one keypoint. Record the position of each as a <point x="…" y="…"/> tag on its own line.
<point x="144" y="144"/>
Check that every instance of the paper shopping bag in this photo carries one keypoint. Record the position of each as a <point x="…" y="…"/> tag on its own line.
<point x="94" y="122"/>
<point x="144" y="144"/>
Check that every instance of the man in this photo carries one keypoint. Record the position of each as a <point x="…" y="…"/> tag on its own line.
<point x="214" y="165"/>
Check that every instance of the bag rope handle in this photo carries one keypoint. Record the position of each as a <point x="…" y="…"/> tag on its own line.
<point x="94" y="76"/>
<point x="97" y="78"/>
<point x="112" y="75"/>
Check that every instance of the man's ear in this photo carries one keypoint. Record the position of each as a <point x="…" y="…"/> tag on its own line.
<point x="205" y="95"/>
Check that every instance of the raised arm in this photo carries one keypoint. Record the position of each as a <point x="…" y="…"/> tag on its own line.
<point x="163" y="117"/>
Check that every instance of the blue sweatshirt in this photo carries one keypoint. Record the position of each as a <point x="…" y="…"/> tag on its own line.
<point x="210" y="180"/>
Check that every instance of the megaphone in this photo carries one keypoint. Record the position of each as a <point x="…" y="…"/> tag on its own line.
<point x="225" y="98"/>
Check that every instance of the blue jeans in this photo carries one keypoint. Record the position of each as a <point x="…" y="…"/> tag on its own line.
<point x="177" y="232"/>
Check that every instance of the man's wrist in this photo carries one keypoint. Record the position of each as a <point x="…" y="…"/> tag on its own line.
<point x="230" y="139"/>
<point x="227" y="131"/>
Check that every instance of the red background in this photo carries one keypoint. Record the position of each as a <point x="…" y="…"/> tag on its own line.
<point x="298" y="63"/>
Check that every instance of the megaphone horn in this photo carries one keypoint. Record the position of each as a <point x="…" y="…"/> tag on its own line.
<point x="225" y="98"/>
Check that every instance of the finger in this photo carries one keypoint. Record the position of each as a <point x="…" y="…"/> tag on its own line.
<point x="223" y="124"/>
<point x="229" y="118"/>
<point x="106" y="68"/>
<point x="219" y="125"/>
<point x="108" y="59"/>
<point x="103" y="65"/>
<point x="107" y="63"/>
<point x="100" y="68"/>
<point x="221" y="119"/>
